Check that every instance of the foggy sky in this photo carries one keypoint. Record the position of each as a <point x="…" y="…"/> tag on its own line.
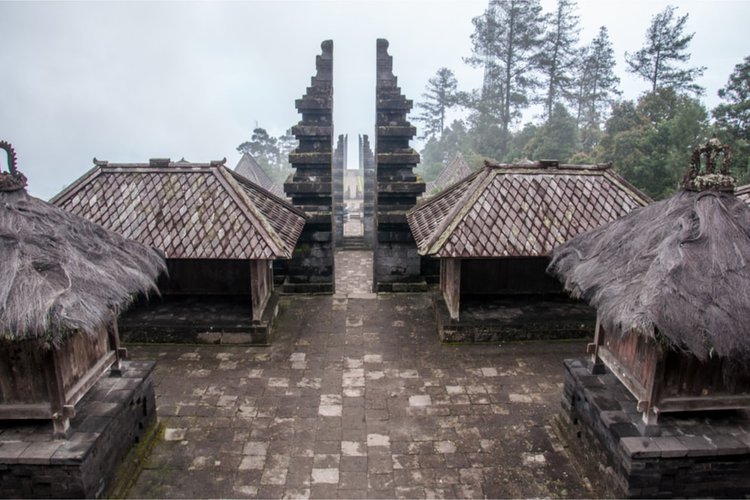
<point x="126" y="82"/>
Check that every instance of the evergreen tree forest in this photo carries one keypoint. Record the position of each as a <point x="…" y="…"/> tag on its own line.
<point x="535" y="58"/>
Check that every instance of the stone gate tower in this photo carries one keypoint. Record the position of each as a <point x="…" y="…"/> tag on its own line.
<point x="309" y="186"/>
<point x="396" y="263"/>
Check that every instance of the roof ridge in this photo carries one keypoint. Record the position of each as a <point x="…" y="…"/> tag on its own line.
<point x="457" y="214"/>
<point x="265" y="227"/>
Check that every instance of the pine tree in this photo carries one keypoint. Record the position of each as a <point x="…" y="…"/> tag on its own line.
<point x="506" y="42"/>
<point x="666" y="47"/>
<point x="559" y="55"/>
<point x="438" y="99"/>
<point x="596" y="86"/>
<point x="263" y="147"/>
<point x="732" y="117"/>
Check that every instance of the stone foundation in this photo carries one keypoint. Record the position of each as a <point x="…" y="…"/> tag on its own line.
<point x="113" y="416"/>
<point x="697" y="454"/>
<point x="515" y="319"/>
<point x="209" y="322"/>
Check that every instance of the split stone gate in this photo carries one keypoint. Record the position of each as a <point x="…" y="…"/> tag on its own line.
<point x="390" y="187"/>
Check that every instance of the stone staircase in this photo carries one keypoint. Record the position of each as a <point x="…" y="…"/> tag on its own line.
<point x="353" y="243"/>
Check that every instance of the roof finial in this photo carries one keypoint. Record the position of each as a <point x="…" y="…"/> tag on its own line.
<point x="702" y="175"/>
<point x="13" y="180"/>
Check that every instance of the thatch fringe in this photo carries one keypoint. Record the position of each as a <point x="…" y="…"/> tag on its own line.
<point x="677" y="270"/>
<point x="60" y="273"/>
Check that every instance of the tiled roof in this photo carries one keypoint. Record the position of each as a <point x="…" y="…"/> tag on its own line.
<point x="456" y="170"/>
<point x="743" y="193"/>
<point x="520" y="210"/>
<point x="186" y="210"/>
<point x="250" y="169"/>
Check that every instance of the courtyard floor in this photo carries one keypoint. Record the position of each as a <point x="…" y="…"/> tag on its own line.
<point x="357" y="398"/>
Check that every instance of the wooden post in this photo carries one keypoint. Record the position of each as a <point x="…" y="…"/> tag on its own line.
<point x="450" y="285"/>
<point x="597" y="367"/>
<point x="114" y="343"/>
<point x="61" y="413"/>
<point x="261" y="281"/>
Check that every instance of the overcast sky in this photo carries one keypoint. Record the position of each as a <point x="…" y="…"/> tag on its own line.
<point x="130" y="81"/>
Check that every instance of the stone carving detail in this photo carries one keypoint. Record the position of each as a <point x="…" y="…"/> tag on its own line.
<point x="396" y="261"/>
<point x="309" y="186"/>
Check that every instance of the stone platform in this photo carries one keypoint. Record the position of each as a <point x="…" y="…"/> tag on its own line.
<point x="697" y="454"/>
<point x="199" y="320"/>
<point x="514" y="319"/>
<point x="114" y="416"/>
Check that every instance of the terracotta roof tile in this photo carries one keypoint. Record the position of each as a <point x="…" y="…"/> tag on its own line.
<point x="199" y="211"/>
<point x="520" y="210"/>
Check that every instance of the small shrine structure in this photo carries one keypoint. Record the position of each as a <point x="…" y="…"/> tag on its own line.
<point x="63" y="282"/>
<point x="493" y="232"/>
<point x="220" y="234"/>
<point x="671" y="286"/>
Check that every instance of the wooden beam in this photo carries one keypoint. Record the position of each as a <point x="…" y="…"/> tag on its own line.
<point x="624" y="375"/>
<point x="726" y="402"/>
<point x="92" y="376"/>
<point x="32" y="411"/>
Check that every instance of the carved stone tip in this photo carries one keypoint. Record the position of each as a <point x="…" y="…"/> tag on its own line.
<point x="327" y="46"/>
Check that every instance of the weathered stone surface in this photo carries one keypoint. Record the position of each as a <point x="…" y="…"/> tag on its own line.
<point x="417" y="417"/>
<point x="397" y="186"/>
<point x="311" y="185"/>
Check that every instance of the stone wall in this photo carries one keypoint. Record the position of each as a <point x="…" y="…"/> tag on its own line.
<point x="396" y="263"/>
<point x="310" y="186"/>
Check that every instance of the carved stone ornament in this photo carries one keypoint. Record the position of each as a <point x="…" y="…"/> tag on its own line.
<point x="703" y="174"/>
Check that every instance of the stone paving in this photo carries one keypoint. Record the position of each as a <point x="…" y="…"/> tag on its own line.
<point x="357" y="398"/>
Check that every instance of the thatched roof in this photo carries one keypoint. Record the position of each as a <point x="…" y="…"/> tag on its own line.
<point x="678" y="267"/>
<point x="520" y="210"/>
<point x="60" y="273"/>
<point x="186" y="210"/>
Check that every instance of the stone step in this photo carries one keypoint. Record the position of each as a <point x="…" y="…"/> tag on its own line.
<point x="353" y="243"/>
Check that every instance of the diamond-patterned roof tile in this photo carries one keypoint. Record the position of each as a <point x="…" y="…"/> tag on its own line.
<point x="187" y="210"/>
<point x="520" y="210"/>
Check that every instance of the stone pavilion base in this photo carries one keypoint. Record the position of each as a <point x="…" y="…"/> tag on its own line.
<point x="515" y="318"/>
<point x="114" y="415"/>
<point x="198" y="320"/>
<point x="700" y="454"/>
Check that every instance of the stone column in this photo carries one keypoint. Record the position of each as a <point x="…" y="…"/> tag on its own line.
<point x="367" y="165"/>
<point x="309" y="186"/>
<point x="396" y="261"/>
